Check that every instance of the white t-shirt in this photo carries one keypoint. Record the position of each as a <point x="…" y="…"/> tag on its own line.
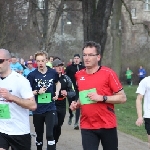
<point x="18" y="122"/>
<point x="144" y="89"/>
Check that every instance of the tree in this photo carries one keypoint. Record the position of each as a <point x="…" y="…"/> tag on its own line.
<point x="45" y="20"/>
<point x="96" y="14"/>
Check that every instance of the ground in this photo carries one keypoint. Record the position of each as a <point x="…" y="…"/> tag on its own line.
<point x="70" y="139"/>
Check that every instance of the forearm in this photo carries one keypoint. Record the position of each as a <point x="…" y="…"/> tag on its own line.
<point x="116" y="99"/>
<point x="139" y="107"/>
<point x="58" y="87"/>
<point x="25" y="103"/>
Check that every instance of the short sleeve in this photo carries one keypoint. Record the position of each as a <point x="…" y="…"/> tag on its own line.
<point x="25" y="89"/>
<point x="114" y="82"/>
<point x="142" y="87"/>
<point x="56" y="77"/>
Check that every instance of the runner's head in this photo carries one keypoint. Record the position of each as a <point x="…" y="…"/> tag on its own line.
<point x="76" y="59"/>
<point x="91" y="54"/>
<point x="58" y="65"/>
<point x="30" y="64"/>
<point x="13" y="59"/>
<point x="41" y="59"/>
<point x="5" y="60"/>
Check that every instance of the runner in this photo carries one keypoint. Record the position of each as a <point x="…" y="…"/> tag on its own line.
<point x="99" y="89"/>
<point x="16" y="97"/>
<point x="15" y="65"/>
<point x="70" y="72"/>
<point x="43" y="80"/>
<point x="66" y="91"/>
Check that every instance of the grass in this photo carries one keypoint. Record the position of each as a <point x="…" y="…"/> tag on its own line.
<point x="127" y="116"/>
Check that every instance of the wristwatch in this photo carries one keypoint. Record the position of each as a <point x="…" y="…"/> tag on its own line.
<point x="104" y="98"/>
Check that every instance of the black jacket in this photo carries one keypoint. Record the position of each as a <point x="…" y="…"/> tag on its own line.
<point x="71" y="71"/>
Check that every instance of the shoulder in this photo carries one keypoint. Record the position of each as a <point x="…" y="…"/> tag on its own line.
<point x="80" y="72"/>
<point x="51" y="70"/>
<point x="18" y="76"/>
<point x="107" y="70"/>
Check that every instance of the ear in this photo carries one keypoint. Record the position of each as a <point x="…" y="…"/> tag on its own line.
<point x="99" y="57"/>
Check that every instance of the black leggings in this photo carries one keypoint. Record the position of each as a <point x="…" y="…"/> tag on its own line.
<point x="108" y="138"/>
<point x="61" y="112"/>
<point x="38" y="120"/>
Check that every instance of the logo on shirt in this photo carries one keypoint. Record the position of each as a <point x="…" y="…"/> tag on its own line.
<point x="82" y="78"/>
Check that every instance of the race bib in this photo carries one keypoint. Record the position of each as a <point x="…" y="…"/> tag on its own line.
<point x="44" y="98"/>
<point x="83" y="96"/>
<point x="4" y="111"/>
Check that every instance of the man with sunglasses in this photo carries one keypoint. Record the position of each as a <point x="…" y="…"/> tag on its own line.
<point x="99" y="89"/>
<point x="29" y="68"/>
<point x="16" y="98"/>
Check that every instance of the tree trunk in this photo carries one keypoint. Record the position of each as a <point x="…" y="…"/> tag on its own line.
<point x="96" y="14"/>
<point x="116" y="36"/>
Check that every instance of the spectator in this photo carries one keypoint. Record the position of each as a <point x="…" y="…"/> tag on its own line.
<point x="141" y="73"/>
<point x="129" y="76"/>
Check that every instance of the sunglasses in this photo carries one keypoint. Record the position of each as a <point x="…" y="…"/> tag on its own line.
<point x="2" y="60"/>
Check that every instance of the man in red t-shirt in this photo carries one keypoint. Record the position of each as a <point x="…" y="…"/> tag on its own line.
<point x="99" y="89"/>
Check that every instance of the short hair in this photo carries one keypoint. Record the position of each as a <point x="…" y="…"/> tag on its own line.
<point x="6" y="52"/>
<point x="41" y="53"/>
<point x="92" y="44"/>
<point x="13" y="56"/>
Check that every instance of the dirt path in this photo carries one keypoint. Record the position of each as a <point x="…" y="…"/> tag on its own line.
<point x="70" y="139"/>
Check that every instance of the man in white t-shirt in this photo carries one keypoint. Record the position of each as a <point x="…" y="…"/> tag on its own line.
<point x="16" y="98"/>
<point x="143" y="90"/>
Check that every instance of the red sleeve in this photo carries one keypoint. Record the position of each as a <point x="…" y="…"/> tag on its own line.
<point x="114" y="82"/>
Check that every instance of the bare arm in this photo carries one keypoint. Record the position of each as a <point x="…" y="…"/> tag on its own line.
<point x="117" y="98"/>
<point x="139" y="120"/>
<point x="25" y="103"/>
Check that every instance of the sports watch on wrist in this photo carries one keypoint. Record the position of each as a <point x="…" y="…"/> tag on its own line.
<point x="104" y="99"/>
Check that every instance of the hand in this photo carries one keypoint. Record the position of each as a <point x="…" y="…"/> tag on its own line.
<point x="74" y="105"/>
<point x="56" y="95"/>
<point x="139" y="121"/>
<point x="64" y="93"/>
<point x="95" y="97"/>
<point x="42" y="90"/>
<point x="4" y="93"/>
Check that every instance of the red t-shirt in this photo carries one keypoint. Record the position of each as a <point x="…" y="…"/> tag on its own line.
<point x="98" y="115"/>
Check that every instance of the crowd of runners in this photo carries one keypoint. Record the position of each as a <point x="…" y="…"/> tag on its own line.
<point x="42" y="85"/>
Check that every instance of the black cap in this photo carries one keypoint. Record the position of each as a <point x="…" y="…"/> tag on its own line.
<point x="76" y="55"/>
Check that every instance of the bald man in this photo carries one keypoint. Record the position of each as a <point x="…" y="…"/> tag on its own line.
<point x="16" y="98"/>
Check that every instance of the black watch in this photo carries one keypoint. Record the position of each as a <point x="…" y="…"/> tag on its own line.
<point x="104" y="99"/>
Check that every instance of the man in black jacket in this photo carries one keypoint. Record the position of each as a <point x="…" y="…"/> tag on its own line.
<point x="71" y="71"/>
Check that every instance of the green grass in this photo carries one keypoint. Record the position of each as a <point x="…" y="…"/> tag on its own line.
<point x="127" y="116"/>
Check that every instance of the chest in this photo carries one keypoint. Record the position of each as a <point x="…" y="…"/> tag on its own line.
<point x="64" y="83"/>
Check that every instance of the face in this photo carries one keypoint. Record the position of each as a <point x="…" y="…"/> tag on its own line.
<point x="41" y="61"/>
<point x="59" y="69"/>
<point x="90" y="57"/>
<point x="13" y="60"/>
<point x="76" y="60"/>
<point x="4" y="63"/>
<point x="30" y="64"/>
<point x="31" y="57"/>
<point x="51" y="59"/>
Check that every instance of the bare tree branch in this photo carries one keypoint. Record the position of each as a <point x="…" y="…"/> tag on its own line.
<point x="130" y="16"/>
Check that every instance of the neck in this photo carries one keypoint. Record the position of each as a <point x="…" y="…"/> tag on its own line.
<point x="91" y="70"/>
<point x="60" y="74"/>
<point x="5" y="74"/>
<point x="43" y="71"/>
